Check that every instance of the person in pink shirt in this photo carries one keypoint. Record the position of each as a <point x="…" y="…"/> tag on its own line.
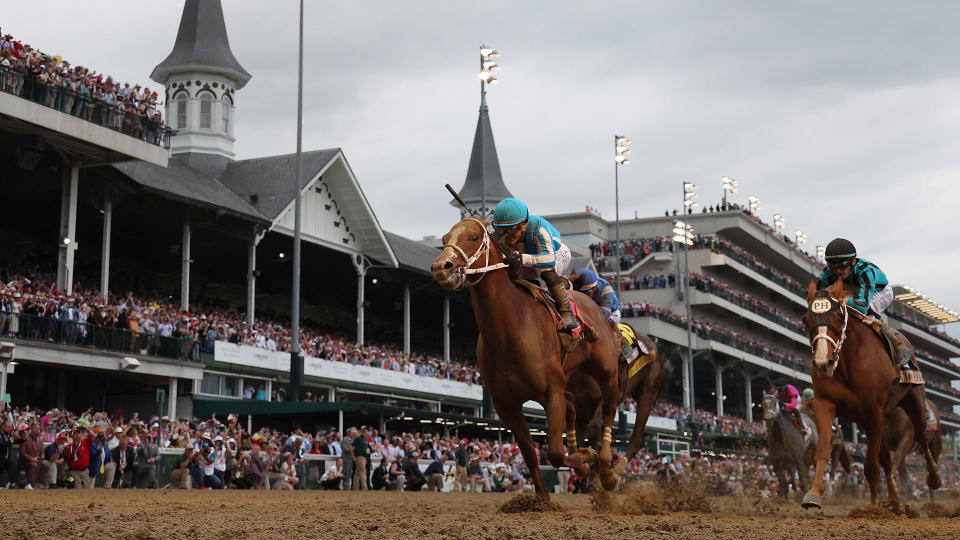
<point x="789" y="398"/>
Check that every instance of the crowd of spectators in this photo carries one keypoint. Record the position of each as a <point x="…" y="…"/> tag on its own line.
<point x="715" y="332"/>
<point x="943" y="387"/>
<point x="80" y="91"/>
<point x="919" y="323"/>
<point x="652" y="281"/>
<point x="33" y="308"/>
<point x="927" y="355"/>
<point x="718" y="288"/>
<point x="703" y="420"/>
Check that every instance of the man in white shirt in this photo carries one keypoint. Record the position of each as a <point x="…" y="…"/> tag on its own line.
<point x="333" y="476"/>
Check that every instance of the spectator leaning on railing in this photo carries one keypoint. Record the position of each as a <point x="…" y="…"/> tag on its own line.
<point x="80" y="91"/>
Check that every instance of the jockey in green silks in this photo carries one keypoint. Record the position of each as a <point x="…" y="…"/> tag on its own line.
<point x="533" y="242"/>
<point x="873" y="291"/>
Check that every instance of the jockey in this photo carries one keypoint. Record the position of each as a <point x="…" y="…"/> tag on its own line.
<point x="806" y="402"/>
<point x="589" y="283"/>
<point x="873" y="290"/>
<point x="537" y="245"/>
<point x="788" y="396"/>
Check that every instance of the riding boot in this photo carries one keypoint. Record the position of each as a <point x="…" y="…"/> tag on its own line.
<point x="902" y="351"/>
<point x="567" y="321"/>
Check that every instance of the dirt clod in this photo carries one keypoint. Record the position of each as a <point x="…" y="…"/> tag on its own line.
<point x="528" y="503"/>
<point x="869" y="511"/>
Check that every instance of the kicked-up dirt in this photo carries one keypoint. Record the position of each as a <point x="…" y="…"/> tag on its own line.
<point x="328" y="514"/>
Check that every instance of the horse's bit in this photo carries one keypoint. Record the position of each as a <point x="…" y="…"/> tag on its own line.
<point x="465" y="271"/>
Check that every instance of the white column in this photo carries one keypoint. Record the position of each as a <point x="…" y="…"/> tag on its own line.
<point x="856" y="436"/>
<point x="172" y="399"/>
<point x="331" y="395"/>
<point x="340" y="422"/>
<point x="105" y="250"/>
<point x="406" y="320"/>
<point x="68" y="228"/>
<point x="685" y="374"/>
<point x="251" y="278"/>
<point x="185" y="267"/>
<point x="446" y="328"/>
<point x="361" y="279"/>
<point x="269" y="390"/>
<point x="748" y="392"/>
<point x="249" y="423"/>
<point x="718" y="387"/>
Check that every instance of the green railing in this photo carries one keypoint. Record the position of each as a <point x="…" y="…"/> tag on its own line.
<point x="122" y="340"/>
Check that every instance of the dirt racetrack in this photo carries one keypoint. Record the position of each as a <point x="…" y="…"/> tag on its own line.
<point x="323" y="514"/>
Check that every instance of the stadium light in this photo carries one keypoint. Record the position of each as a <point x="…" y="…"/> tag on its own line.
<point x="621" y="149"/>
<point x="779" y="222"/>
<point x="689" y="194"/>
<point x="801" y="237"/>
<point x="729" y="185"/>
<point x="754" y="204"/>
<point x="821" y="251"/>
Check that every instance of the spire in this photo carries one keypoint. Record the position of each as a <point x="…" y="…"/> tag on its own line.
<point x="201" y="45"/>
<point x="484" y="169"/>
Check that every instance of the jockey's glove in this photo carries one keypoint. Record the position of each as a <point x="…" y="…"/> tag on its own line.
<point x="513" y="259"/>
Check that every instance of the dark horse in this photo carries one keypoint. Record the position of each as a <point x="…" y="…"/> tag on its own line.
<point x="519" y="354"/>
<point x="901" y="439"/>
<point x="853" y="377"/>
<point x="585" y="397"/>
<point x="787" y="451"/>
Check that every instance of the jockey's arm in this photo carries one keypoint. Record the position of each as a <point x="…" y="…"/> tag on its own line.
<point x="544" y="257"/>
<point x="608" y="300"/>
<point x="861" y="301"/>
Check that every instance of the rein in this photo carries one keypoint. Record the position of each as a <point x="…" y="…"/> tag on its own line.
<point x="837" y="343"/>
<point x="484" y="250"/>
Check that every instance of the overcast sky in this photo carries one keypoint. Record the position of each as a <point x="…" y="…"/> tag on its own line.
<point x="841" y="116"/>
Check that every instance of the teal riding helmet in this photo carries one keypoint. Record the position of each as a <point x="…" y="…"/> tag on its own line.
<point x="510" y="212"/>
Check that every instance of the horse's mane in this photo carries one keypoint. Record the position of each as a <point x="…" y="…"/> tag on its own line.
<point x="840" y="291"/>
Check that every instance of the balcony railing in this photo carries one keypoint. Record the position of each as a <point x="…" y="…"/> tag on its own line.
<point x="84" y="106"/>
<point x="90" y="336"/>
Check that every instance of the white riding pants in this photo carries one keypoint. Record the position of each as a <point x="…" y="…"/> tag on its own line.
<point x="882" y="299"/>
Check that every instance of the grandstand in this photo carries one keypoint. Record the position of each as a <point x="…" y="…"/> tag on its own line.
<point x="747" y="297"/>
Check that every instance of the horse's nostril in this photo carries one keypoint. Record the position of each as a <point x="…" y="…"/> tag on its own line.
<point x="447" y="265"/>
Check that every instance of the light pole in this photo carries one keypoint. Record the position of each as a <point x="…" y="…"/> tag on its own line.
<point x="620" y="152"/>
<point x="487" y="67"/>
<point x="689" y="197"/>
<point x="296" y="363"/>
<point x="729" y="185"/>
<point x="779" y="222"/>
<point x="683" y="234"/>
<point x="801" y="237"/>
<point x="754" y="203"/>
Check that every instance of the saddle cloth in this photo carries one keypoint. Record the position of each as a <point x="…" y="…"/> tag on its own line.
<point x="642" y="355"/>
<point x="932" y="424"/>
<point x="910" y="373"/>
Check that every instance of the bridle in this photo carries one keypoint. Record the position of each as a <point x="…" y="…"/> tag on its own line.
<point x="822" y="331"/>
<point x="465" y="271"/>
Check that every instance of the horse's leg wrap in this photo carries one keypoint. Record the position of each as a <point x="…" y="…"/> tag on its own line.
<point x="572" y="440"/>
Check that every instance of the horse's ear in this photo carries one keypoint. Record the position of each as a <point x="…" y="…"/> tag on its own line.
<point x="811" y="290"/>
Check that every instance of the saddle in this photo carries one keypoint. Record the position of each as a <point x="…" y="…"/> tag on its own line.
<point x="910" y="373"/>
<point x="568" y="341"/>
<point x="642" y="355"/>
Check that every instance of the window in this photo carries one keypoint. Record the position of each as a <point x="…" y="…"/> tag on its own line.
<point x="206" y="111"/>
<point x="180" y="109"/>
<point x="225" y="114"/>
<point x="219" y="385"/>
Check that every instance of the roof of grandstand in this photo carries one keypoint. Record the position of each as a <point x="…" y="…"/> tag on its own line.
<point x="412" y="254"/>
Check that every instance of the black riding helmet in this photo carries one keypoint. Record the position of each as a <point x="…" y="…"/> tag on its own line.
<point x="780" y="384"/>
<point x="840" y="252"/>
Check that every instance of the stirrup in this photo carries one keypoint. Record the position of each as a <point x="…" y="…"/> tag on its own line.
<point x="568" y="321"/>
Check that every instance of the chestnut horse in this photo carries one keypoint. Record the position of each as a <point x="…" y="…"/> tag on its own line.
<point x="584" y="395"/>
<point x="901" y="439"/>
<point x="519" y="355"/>
<point x="853" y="377"/>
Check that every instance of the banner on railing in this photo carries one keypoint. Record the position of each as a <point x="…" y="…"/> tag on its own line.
<point x="230" y="353"/>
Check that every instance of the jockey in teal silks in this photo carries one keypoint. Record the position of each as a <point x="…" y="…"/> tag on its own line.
<point x="589" y="283"/>
<point x="535" y="243"/>
<point x="873" y="291"/>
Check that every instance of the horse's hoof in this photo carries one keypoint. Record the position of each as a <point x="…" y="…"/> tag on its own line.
<point x="811" y="501"/>
<point x="934" y="483"/>
<point x="609" y="481"/>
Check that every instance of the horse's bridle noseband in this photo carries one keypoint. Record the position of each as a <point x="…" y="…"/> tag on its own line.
<point x="822" y="330"/>
<point x="465" y="271"/>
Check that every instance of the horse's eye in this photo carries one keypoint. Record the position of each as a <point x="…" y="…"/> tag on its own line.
<point x="474" y="238"/>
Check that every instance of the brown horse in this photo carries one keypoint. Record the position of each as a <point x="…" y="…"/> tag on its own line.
<point x="901" y="439"/>
<point x="853" y="377"/>
<point x="585" y="396"/>
<point x="519" y="354"/>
